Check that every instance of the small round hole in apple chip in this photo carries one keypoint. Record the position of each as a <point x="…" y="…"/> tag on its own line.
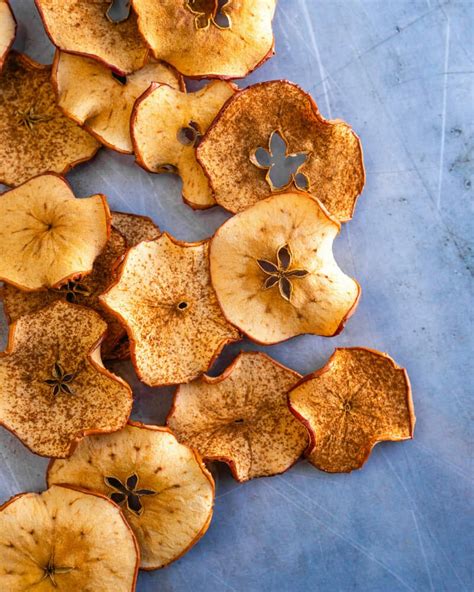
<point x="274" y="272"/>
<point x="66" y="539"/>
<point x="162" y="487"/>
<point x="241" y="417"/>
<point x="360" y="397"/>
<point x="55" y="388"/>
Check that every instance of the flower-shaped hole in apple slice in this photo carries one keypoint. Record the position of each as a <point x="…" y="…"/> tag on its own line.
<point x="67" y="539"/>
<point x="163" y="488"/>
<point x="360" y="397"/>
<point x="241" y="417"/>
<point x="55" y="387"/>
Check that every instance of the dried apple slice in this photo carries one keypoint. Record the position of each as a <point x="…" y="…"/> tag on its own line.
<point x="55" y="389"/>
<point x="83" y="291"/>
<point x="135" y="228"/>
<point x="168" y="124"/>
<point x="271" y="137"/>
<point x="90" y="29"/>
<point x="66" y="539"/>
<point x="163" y="488"/>
<point x="48" y="236"/>
<point x="358" y="399"/>
<point x="7" y="30"/>
<point x="93" y="96"/>
<point x="164" y="297"/>
<point x="35" y="135"/>
<point x="274" y="273"/>
<point x="209" y="38"/>
<point x="241" y="417"/>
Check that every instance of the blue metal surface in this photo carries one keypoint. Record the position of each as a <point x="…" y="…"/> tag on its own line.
<point x="400" y="72"/>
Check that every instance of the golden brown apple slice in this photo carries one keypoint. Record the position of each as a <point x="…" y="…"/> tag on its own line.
<point x="7" y="30"/>
<point x="163" y="488"/>
<point x="135" y="228"/>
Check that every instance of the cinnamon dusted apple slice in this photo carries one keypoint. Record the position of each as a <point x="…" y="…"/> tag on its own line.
<point x="274" y="273"/>
<point x="55" y="389"/>
<point x="360" y="397"/>
<point x="164" y="297"/>
<point x="209" y="38"/>
<point x="241" y="417"/>
<point x="35" y="135"/>
<point x="66" y="539"/>
<point x="97" y="30"/>
<point x="167" y="125"/>
<point x="101" y="101"/>
<point x="163" y="488"/>
<point x="47" y="236"/>
<point x="7" y="30"/>
<point x="271" y="137"/>
<point x="135" y="228"/>
<point x="83" y="291"/>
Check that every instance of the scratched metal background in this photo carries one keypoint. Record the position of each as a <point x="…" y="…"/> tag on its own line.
<point x="400" y="71"/>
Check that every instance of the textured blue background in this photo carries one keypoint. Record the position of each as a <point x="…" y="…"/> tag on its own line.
<point x="400" y="72"/>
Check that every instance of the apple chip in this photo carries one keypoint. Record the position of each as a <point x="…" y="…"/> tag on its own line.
<point x="66" y="539"/>
<point x="47" y="236"/>
<point x="241" y="417"/>
<point x="93" y="96"/>
<point x="35" y="136"/>
<point x="7" y="30"/>
<point x="54" y="387"/>
<point x="163" y="488"/>
<point x="83" y="291"/>
<point x="271" y="137"/>
<point x="135" y="228"/>
<point x="97" y="30"/>
<point x="167" y="125"/>
<point x="274" y="273"/>
<point x="359" y="398"/>
<point x="164" y="298"/>
<point x="209" y="38"/>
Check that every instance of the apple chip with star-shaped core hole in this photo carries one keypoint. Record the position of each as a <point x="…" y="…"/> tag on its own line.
<point x="35" y="135"/>
<point x="55" y="389"/>
<point x="163" y="487"/>
<point x="164" y="298"/>
<point x="274" y="272"/>
<point x="48" y="236"/>
<point x="359" y="398"/>
<point x="135" y="228"/>
<point x="101" y="101"/>
<point x="241" y="417"/>
<point x="66" y="539"/>
<point x="167" y="125"/>
<point x="208" y="38"/>
<point x="85" y="291"/>
<point x="95" y="30"/>
<point x="271" y="137"/>
<point x="7" y="30"/>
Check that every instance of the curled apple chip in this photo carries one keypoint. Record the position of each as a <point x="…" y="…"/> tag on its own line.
<point x="135" y="228"/>
<point x="7" y="30"/>
<point x="274" y="272"/>
<point x="102" y="102"/>
<point x="167" y="125"/>
<point x="35" y="135"/>
<point x="55" y="389"/>
<point x="271" y="137"/>
<point x="47" y="236"/>
<point x="163" y="488"/>
<point x="66" y="539"/>
<point x="83" y="291"/>
<point x="241" y="417"/>
<point x="209" y="38"/>
<point x="93" y="29"/>
<point x="164" y="297"/>
<point x="361" y="397"/>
